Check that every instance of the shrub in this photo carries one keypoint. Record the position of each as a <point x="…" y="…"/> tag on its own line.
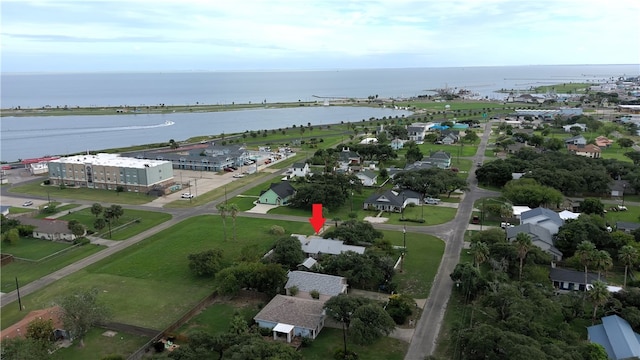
<point x="293" y="290"/>
<point x="276" y="230"/>
<point x="306" y="341"/>
<point x="47" y="182"/>
<point x="81" y="241"/>
<point x="340" y="355"/>
<point x="400" y="307"/>
<point x="263" y="331"/>
<point x="315" y="294"/>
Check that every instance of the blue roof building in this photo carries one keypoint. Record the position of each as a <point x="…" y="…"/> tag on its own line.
<point x="617" y="337"/>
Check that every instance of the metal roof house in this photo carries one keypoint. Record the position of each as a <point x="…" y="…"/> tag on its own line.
<point x="617" y="337"/>
<point x="391" y="201"/>
<point x="314" y="246"/>
<point x="566" y="279"/>
<point x="327" y="285"/>
<point x="540" y="237"/>
<point x="544" y="217"/>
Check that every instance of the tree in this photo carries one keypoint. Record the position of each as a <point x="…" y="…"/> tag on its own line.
<point x="20" y="348"/>
<point x="529" y="192"/>
<point x="99" y="224"/>
<point x="599" y="295"/>
<point x="471" y="137"/>
<point x="41" y="330"/>
<point x="341" y="308"/>
<point x="288" y="252"/>
<point x="592" y="206"/>
<point x="109" y="217"/>
<point x="480" y="253"/>
<point x="585" y="253"/>
<point x="602" y="261"/>
<point x="76" y="228"/>
<point x="81" y="311"/>
<point x="206" y="263"/>
<point x="96" y="209"/>
<point x="634" y="156"/>
<point x="12" y="236"/>
<point x="413" y="153"/>
<point x="233" y="211"/>
<point x="628" y="255"/>
<point x="468" y="280"/>
<point x="223" y="208"/>
<point x="117" y="211"/>
<point x="369" y="323"/>
<point x="523" y="245"/>
<point x="355" y="232"/>
<point x="625" y="142"/>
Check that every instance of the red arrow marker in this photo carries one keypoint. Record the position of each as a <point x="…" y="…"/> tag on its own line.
<point x="317" y="221"/>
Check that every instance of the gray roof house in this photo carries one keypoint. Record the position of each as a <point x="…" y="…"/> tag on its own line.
<point x="368" y="177"/>
<point x="290" y="316"/>
<point x="617" y="337"/>
<point x="348" y="157"/>
<point x="308" y="264"/>
<point x="313" y="246"/>
<point x="565" y="279"/>
<point x="575" y="140"/>
<point x="627" y="227"/>
<point x="391" y="201"/>
<point x="439" y="158"/>
<point x="327" y="285"/>
<point x="544" y="217"/>
<point x="277" y="194"/>
<point x="540" y="237"/>
<point x="48" y="229"/>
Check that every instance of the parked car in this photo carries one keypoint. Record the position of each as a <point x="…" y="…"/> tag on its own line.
<point x="505" y="225"/>
<point x="228" y="169"/>
<point x="475" y="219"/>
<point x="28" y="203"/>
<point x="432" y="201"/>
<point x="238" y="175"/>
<point x="187" y="196"/>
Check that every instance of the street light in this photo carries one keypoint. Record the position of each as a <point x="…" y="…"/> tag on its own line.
<point x="404" y="246"/>
<point x="624" y="187"/>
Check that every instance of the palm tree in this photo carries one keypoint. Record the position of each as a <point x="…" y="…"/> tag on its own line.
<point x="223" y="208"/>
<point x="628" y="255"/>
<point x="233" y="211"/>
<point x="480" y="252"/>
<point x="523" y="245"/>
<point x="599" y="295"/>
<point x="602" y="261"/>
<point x="585" y="252"/>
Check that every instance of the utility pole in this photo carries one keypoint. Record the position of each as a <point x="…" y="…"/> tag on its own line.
<point x="404" y="247"/>
<point x="18" y="290"/>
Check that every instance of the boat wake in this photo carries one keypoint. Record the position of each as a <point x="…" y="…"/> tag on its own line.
<point x="50" y="132"/>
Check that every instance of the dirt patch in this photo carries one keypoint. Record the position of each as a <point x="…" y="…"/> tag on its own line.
<point x="376" y="220"/>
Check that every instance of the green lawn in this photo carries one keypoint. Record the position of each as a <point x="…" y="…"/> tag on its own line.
<point x="81" y="193"/>
<point x="97" y="346"/>
<point x="330" y="339"/>
<point x="27" y="272"/>
<point x="432" y="214"/>
<point x="33" y="249"/>
<point x="341" y="213"/>
<point x="150" y="284"/>
<point x="424" y="253"/>
<point x="631" y="215"/>
<point x="126" y="226"/>
<point x="216" y="318"/>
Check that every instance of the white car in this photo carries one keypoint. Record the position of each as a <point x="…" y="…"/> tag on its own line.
<point x="28" y="203"/>
<point x="238" y="176"/>
<point x="187" y="196"/>
<point x="432" y="201"/>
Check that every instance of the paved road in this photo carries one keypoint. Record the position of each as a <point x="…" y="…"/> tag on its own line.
<point x="426" y="332"/>
<point x="427" y="329"/>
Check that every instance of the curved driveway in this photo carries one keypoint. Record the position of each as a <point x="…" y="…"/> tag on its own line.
<point x="427" y="328"/>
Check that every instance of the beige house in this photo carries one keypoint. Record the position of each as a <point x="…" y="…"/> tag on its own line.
<point x="306" y="282"/>
<point x="48" y="229"/>
<point x="588" y="150"/>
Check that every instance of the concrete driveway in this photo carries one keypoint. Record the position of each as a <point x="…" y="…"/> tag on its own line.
<point x="261" y="208"/>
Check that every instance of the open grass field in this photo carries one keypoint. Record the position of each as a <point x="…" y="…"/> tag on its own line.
<point x="150" y="284"/>
<point x="27" y="272"/>
<point x="33" y="249"/>
<point x="96" y="195"/>
<point x="422" y="260"/>
<point x="456" y="151"/>
<point x="564" y="88"/>
<point x="631" y="215"/>
<point x="123" y="228"/>
<point x="432" y="214"/>
<point x="330" y="339"/>
<point x="59" y="209"/>
<point x="341" y="213"/>
<point x="98" y="346"/>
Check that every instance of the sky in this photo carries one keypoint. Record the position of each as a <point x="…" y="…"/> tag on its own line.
<point x="242" y="35"/>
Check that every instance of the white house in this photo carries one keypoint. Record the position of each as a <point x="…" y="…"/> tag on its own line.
<point x="300" y="169"/>
<point x="567" y="128"/>
<point x="367" y="177"/>
<point x="314" y="246"/>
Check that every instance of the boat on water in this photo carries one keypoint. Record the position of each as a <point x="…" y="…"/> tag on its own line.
<point x="169" y="123"/>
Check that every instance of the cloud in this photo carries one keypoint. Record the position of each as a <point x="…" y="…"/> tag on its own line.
<point x="458" y="31"/>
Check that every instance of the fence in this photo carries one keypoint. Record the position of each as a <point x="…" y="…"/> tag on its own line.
<point x="173" y="327"/>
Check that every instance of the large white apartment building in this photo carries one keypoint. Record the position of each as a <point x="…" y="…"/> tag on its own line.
<point x="108" y="171"/>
